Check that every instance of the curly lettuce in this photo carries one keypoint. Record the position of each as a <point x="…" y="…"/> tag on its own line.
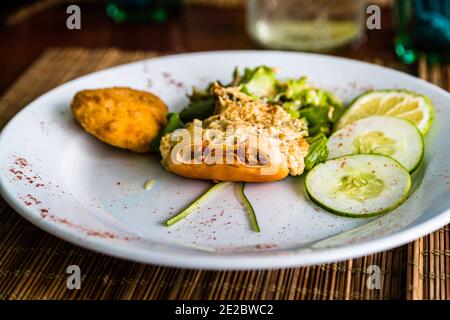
<point x="318" y="151"/>
<point x="318" y="107"/>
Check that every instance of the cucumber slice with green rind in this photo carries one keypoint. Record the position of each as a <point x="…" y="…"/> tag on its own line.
<point x="247" y="205"/>
<point x="203" y="199"/>
<point x="359" y="186"/>
<point x="391" y="136"/>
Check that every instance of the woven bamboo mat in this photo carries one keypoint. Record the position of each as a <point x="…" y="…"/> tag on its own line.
<point x="33" y="264"/>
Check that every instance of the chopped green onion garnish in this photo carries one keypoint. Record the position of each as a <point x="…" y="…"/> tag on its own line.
<point x="248" y="206"/>
<point x="208" y="195"/>
<point x="149" y="184"/>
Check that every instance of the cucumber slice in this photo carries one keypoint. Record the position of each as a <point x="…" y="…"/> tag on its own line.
<point x="204" y="198"/>
<point x="362" y="185"/>
<point x="247" y="205"/>
<point x="391" y="136"/>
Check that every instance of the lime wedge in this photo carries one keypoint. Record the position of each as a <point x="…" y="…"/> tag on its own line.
<point x="397" y="103"/>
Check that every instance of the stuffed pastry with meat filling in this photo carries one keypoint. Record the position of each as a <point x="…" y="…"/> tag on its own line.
<point x="246" y="140"/>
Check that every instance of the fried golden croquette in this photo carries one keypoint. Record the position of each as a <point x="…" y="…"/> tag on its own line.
<point x="122" y="117"/>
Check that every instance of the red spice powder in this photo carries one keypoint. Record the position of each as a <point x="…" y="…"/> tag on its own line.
<point x="17" y="173"/>
<point x="172" y="81"/>
<point x="44" y="213"/>
<point x="21" y="174"/>
<point x="88" y="231"/>
<point x="29" y="200"/>
<point x="266" y="246"/>
<point x="21" y="162"/>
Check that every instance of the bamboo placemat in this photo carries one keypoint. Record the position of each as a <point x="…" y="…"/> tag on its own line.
<point x="33" y="263"/>
<point x="428" y="272"/>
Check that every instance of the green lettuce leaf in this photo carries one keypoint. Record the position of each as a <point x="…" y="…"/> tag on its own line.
<point x="318" y="151"/>
<point x="318" y="107"/>
<point x="295" y="88"/>
<point x="259" y="82"/>
<point x="318" y="120"/>
<point x="201" y="105"/>
<point x="173" y="122"/>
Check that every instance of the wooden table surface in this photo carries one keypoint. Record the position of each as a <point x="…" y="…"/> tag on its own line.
<point x="194" y="29"/>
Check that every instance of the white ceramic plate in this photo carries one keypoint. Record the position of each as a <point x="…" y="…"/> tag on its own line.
<point x="81" y="190"/>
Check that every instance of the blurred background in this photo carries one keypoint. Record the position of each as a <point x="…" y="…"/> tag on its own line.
<point x="336" y="27"/>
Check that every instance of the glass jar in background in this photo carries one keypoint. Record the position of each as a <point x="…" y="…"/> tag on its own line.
<point x="307" y="25"/>
<point x="422" y="26"/>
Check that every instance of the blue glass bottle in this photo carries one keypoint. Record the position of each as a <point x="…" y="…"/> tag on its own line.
<point x="422" y="26"/>
<point x="141" y="10"/>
